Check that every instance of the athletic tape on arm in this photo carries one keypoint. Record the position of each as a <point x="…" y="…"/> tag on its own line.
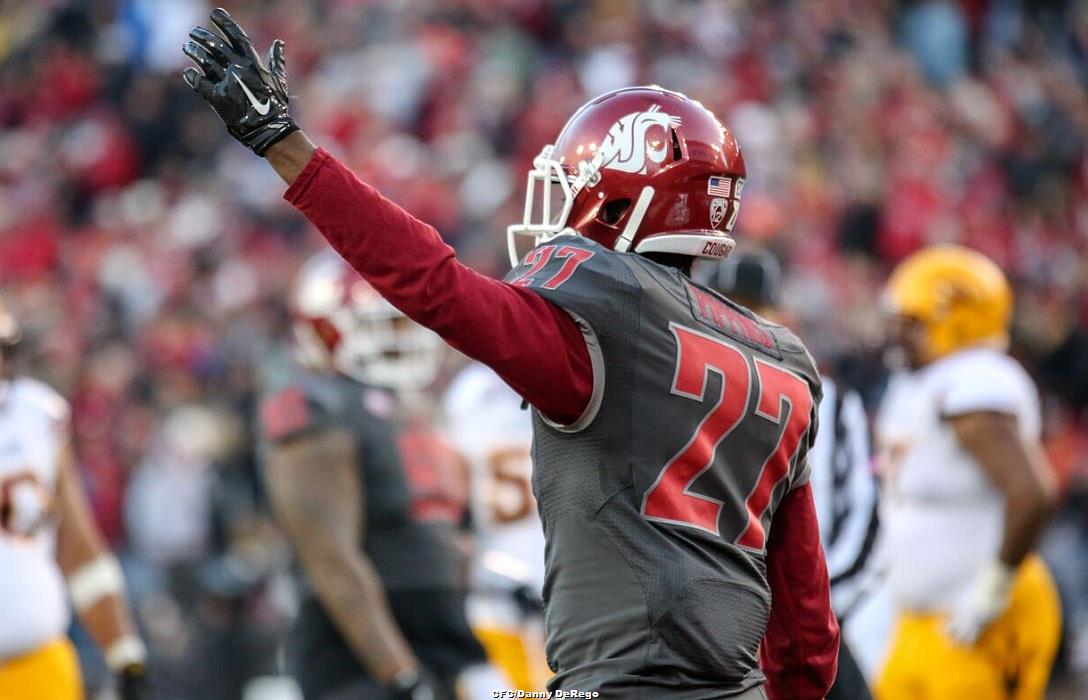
<point x="94" y="581"/>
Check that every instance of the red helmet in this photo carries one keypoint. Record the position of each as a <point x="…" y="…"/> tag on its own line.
<point x="641" y="169"/>
<point x="342" y="324"/>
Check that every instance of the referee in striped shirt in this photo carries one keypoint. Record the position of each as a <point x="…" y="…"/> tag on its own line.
<point x="843" y="483"/>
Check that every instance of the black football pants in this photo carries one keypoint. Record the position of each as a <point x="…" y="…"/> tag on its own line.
<point x="850" y="683"/>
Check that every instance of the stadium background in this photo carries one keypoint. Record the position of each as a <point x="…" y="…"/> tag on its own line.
<point x="148" y="256"/>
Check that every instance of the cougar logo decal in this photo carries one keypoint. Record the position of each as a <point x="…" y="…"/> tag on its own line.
<point x="628" y="146"/>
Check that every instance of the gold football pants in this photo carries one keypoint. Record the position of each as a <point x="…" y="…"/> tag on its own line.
<point x="518" y="654"/>
<point x="1010" y="661"/>
<point x="50" y="671"/>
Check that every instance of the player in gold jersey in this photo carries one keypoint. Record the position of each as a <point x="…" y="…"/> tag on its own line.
<point x="968" y="492"/>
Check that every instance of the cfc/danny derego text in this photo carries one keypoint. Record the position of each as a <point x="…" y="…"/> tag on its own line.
<point x="547" y="694"/>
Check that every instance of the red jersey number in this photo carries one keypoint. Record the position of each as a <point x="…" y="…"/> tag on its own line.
<point x="670" y="498"/>
<point x="540" y="257"/>
<point x="437" y="476"/>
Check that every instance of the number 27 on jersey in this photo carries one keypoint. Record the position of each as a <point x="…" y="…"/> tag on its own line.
<point x="782" y="398"/>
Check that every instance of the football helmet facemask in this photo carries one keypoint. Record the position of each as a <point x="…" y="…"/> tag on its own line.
<point x="341" y="323"/>
<point x="639" y="169"/>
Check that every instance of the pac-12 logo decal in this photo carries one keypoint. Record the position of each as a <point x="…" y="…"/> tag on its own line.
<point x="722" y="189"/>
<point x="718" y="207"/>
<point x="631" y="142"/>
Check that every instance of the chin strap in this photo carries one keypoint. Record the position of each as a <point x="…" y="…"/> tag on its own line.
<point x="638" y="213"/>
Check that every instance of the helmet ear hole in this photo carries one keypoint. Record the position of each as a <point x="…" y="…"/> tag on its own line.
<point x="327" y="332"/>
<point x="677" y="152"/>
<point x="612" y="212"/>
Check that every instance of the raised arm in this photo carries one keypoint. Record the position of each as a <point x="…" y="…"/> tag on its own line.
<point x="410" y="265"/>
<point x="533" y="345"/>
<point x="290" y="156"/>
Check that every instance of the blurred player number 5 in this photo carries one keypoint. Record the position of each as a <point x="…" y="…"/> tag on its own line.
<point x="511" y="497"/>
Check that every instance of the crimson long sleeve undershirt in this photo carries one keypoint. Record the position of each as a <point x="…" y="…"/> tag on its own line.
<point x="532" y="344"/>
<point x="800" y="652"/>
<point x="537" y="348"/>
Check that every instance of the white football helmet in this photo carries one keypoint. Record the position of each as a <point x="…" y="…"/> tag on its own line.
<point x="343" y="324"/>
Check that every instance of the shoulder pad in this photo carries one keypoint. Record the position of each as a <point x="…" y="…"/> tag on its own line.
<point x="571" y="263"/>
<point x="983" y="381"/>
<point x="797" y="358"/>
<point x="297" y="409"/>
<point x="42" y="397"/>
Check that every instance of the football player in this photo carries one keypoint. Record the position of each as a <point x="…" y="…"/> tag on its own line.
<point x="51" y="551"/>
<point x="968" y="491"/>
<point x="843" y="483"/>
<point x="663" y="551"/>
<point x="485" y="420"/>
<point x="384" y="611"/>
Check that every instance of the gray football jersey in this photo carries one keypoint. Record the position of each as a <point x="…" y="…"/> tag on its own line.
<point x="415" y="557"/>
<point x="657" y="502"/>
<point x="407" y="554"/>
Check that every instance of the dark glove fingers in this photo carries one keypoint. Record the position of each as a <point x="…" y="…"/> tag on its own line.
<point x="254" y="110"/>
<point x="198" y="82"/>
<point x="202" y="58"/>
<point x="219" y="50"/>
<point x="277" y="65"/>
<point x="234" y="33"/>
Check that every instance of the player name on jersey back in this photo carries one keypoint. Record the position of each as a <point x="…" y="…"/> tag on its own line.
<point x="717" y="314"/>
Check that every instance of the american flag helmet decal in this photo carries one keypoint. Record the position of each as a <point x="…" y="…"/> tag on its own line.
<point x="718" y="186"/>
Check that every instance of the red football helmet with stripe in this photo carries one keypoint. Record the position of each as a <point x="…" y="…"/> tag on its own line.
<point x="640" y="169"/>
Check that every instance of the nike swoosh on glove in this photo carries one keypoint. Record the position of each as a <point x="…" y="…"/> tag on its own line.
<point x="250" y="97"/>
<point x="985" y="602"/>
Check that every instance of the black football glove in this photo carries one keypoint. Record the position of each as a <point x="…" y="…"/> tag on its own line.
<point x="132" y="683"/>
<point x="528" y="601"/>
<point x="249" y="97"/>
<point x="415" y="686"/>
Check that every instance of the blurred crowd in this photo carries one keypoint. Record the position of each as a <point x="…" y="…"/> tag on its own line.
<point x="149" y="256"/>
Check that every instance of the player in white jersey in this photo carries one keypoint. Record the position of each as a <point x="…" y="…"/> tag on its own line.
<point x="486" y="423"/>
<point x="50" y="551"/>
<point x="968" y="491"/>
